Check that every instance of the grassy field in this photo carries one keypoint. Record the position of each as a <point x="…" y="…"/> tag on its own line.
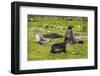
<point x="58" y="25"/>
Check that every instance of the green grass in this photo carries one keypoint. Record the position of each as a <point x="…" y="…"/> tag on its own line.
<point x="42" y="52"/>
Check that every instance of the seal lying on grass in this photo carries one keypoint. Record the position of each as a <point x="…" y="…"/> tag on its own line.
<point x="59" y="47"/>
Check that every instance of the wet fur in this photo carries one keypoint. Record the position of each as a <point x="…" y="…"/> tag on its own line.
<point x="58" y="46"/>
